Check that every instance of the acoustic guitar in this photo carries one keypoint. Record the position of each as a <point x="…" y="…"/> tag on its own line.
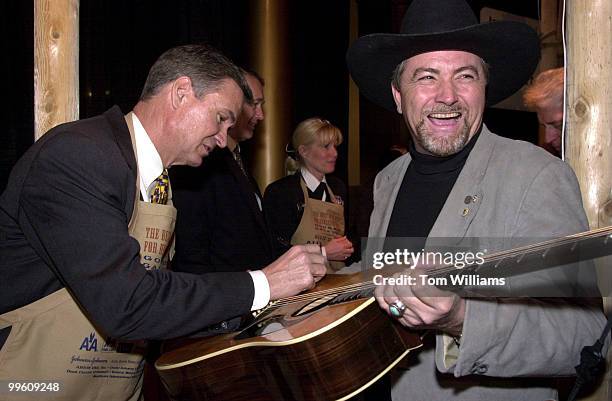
<point x="332" y="342"/>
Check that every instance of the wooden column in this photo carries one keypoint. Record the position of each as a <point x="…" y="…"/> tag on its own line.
<point x="589" y="124"/>
<point x="56" y="63"/>
<point x="271" y="59"/>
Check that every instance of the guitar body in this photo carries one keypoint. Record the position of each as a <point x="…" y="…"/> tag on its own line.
<point x="311" y="350"/>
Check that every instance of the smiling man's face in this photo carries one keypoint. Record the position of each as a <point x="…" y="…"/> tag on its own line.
<point x="442" y="98"/>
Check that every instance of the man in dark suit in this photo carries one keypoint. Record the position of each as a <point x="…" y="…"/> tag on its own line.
<point x="72" y="275"/>
<point x="220" y="224"/>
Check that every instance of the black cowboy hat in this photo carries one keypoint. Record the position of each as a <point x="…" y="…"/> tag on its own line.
<point x="511" y="49"/>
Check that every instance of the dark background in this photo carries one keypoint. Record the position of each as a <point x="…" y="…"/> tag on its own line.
<point x="119" y="40"/>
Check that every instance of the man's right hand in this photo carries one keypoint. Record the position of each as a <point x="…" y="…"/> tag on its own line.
<point x="297" y="270"/>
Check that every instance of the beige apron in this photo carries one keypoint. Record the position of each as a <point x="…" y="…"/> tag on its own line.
<point x="152" y="224"/>
<point x="52" y="340"/>
<point x="321" y="222"/>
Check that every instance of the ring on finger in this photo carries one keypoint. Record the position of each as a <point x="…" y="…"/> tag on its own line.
<point x="397" y="309"/>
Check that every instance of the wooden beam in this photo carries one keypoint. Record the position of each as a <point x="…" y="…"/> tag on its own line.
<point x="589" y="124"/>
<point x="56" y="63"/>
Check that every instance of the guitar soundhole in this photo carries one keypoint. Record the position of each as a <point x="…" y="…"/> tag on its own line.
<point x="267" y="323"/>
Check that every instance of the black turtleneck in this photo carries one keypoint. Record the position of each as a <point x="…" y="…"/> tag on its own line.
<point x="426" y="185"/>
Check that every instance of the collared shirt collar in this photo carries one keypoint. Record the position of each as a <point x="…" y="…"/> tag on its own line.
<point x="150" y="164"/>
<point x="311" y="181"/>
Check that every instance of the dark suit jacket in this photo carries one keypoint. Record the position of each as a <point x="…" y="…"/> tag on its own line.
<point x="219" y="226"/>
<point x="284" y="206"/>
<point x="63" y="223"/>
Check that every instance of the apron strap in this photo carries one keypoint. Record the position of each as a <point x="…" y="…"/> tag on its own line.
<point x="130" y="123"/>
<point x="304" y="190"/>
<point x="331" y="194"/>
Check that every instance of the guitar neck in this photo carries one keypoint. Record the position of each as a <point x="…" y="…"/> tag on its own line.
<point x="543" y="255"/>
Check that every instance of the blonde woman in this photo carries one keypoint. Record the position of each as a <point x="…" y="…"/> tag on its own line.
<point x="308" y="206"/>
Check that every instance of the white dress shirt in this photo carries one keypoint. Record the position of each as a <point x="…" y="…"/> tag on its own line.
<point x="150" y="166"/>
<point x="312" y="182"/>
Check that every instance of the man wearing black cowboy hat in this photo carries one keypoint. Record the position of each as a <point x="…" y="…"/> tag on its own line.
<point x="460" y="180"/>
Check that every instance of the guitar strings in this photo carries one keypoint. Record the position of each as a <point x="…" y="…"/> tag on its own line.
<point x="497" y="256"/>
<point x="443" y="270"/>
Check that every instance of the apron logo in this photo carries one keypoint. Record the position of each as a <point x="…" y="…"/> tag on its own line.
<point x="90" y="343"/>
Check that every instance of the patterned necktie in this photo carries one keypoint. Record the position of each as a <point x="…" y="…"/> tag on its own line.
<point x="239" y="160"/>
<point x="161" y="187"/>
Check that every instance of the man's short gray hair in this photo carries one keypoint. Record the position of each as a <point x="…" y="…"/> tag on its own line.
<point x="203" y="64"/>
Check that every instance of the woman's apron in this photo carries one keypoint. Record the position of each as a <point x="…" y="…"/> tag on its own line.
<point x="321" y="222"/>
<point x="52" y="340"/>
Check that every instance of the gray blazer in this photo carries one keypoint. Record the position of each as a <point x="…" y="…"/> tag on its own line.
<point x="518" y="192"/>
